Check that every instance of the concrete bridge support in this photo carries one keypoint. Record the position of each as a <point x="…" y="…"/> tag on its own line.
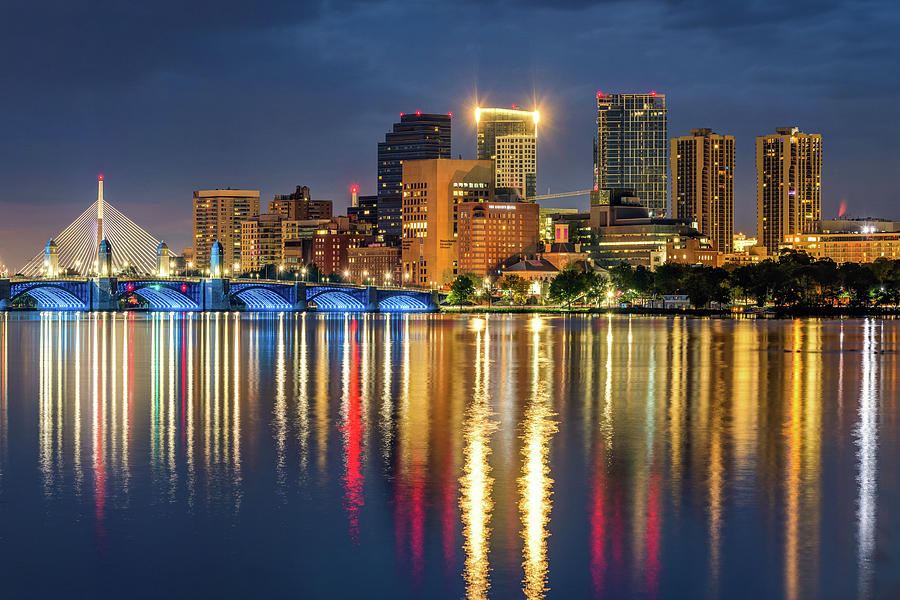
<point x="300" y="296"/>
<point x="215" y="295"/>
<point x="104" y="293"/>
<point x="371" y="299"/>
<point x="5" y="293"/>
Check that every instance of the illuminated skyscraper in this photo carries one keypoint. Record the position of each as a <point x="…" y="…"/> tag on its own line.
<point x="631" y="149"/>
<point x="508" y="136"/>
<point x="417" y="136"/>
<point x="788" y="185"/>
<point x="703" y="184"/>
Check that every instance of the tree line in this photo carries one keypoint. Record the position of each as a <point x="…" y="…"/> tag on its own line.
<point x="792" y="280"/>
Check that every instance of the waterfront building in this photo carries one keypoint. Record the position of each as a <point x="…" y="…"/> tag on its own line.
<point x="377" y="264"/>
<point x="788" y="185"/>
<point x="625" y="230"/>
<point x="703" y="184"/>
<point x="508" y="136"/>
<point x="693" y="250"/>
<point x="631" y="147"/>
<point x="299" y="206"/>
<point x="562" y="255"/>
<point x="261" y="243"/>
<point x="539" y="272"/>
<point x="432" y="191"/>
<point x="218" y="215"/>
<point x="490" y="233"/>
<point x="418" y="136"/>
<point x="853" y="247"/>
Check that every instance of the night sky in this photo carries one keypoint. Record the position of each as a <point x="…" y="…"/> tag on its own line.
<point x="166" y="97"/>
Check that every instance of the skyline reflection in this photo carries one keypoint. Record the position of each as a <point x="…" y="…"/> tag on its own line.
<point x="487" y="457"/>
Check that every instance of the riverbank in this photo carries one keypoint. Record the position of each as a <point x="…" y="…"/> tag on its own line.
<point x="775" y="313"/>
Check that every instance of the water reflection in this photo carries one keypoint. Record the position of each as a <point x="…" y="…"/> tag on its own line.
<point x="535" y="483"/>
<point x="476" y="484"/>
<point x="464" y="443"/>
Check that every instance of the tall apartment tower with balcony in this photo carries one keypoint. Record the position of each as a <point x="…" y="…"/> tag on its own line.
<point x="703" y="184"/>
<point x="631" y="147"/>
<point x="788" y="185"/>
<point x="218" y="215"/>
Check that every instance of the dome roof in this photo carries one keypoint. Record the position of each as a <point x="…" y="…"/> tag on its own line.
<point x="217" y="249"/>
<point x="51" y="244"/>
<point x="105" y="246"/>
<point x="162" y="247"/>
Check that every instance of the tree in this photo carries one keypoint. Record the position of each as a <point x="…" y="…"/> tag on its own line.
<point x="516" y="286"/>
<point x="858" y="280"/>
<point x="462" y="290"/>
<point x="567" y="286"/>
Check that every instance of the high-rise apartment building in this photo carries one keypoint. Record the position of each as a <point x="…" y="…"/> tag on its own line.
<point x="703" y="184"/>
<point x="492" y="232"/>
<point x="508" y="136"/>
<point x="432" y="191"/>
<point x="261" y="242"/>
<point x="299" y="206"/>
<point x="218" y="215"/>
<point x="788" y="185"/>
<point x="631" y="149"/>
<point x="417" y="136"/>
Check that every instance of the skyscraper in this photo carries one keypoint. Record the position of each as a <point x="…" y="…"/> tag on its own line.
<point x="417" y="136"/>
<point x="703" y="184"/>
<point x="631" y="149"/>
<point x="508" y="136"/>
<point x="788" y="185"/>
<point x="218" y="215"/>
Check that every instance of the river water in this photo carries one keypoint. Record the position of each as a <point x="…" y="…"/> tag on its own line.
<point x="224" y="455"/>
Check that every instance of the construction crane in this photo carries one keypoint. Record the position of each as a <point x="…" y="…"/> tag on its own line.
<point x="560" y="195"/>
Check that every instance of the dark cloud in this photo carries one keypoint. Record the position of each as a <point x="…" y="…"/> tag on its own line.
<point x="168" y="97"/>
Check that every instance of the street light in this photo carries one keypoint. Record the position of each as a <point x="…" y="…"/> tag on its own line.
<point x="303" y="270"/>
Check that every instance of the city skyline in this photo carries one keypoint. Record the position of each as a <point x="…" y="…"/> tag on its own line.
<point x="146" y="127"/>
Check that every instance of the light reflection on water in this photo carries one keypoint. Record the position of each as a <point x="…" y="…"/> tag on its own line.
<point x="485" y="457"/>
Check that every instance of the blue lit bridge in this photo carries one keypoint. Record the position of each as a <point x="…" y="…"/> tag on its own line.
<point x="207" y="294"/>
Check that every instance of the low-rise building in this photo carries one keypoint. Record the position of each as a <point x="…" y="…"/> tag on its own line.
<point x="846" y="247"/>
<point x="693" y="251"/>
<point x="376" y="264"/>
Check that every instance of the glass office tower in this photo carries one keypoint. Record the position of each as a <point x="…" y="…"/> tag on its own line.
<point x="631" y="148"/>
<point x="417" y="136"/>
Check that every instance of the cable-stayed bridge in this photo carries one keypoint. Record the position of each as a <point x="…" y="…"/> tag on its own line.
<point x="77" y="244"/>
<point x="86" y="267"/>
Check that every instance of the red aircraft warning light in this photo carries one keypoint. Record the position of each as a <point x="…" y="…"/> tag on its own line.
<point x="183" y="287"/>
<point x="100" y="177"/>
<point x="418" y="113"/>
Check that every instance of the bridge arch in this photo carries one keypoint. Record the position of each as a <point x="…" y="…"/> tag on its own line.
<point x="332" y="299"/>
<point x="52" y="297"/>
<point x="402" y="303"/>
<point x="162" y="295"/>
<point x="262" y="299"/>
